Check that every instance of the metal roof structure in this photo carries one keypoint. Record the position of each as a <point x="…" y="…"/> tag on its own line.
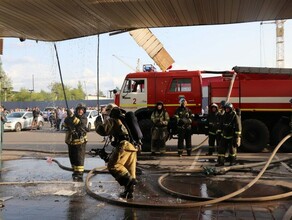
<point x="56" y="20"/>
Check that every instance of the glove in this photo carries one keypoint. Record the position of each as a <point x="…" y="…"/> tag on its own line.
<point x="237" y="141"/>
<point x="69" y="113"/>
<point x="161" y="123"/>
<point x="69" y="121"/>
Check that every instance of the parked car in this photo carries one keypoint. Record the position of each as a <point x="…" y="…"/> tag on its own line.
<point x="91" y="117"/>
<point x="17" y="121"/>
<point x="45" y="112"/>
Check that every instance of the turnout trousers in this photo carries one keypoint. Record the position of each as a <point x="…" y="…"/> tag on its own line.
<point x="77" y="156"/>
<point x="122" y="162"/>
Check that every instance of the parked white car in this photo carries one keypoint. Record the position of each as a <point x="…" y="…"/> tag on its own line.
<point x="17" y="121"/>
<point x="91" y="117"/>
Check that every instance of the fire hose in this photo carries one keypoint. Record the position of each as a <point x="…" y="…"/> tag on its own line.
<point x="201" y="203"/>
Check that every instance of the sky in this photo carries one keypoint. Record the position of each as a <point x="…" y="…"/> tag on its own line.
<point x="212" y="47"/>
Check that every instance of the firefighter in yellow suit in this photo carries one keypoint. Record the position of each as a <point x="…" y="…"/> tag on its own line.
<point x="76" y="139"/>
<point x="122" y="160"/>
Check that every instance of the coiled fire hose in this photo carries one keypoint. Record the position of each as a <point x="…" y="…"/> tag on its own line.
<point x="195" y="204"/>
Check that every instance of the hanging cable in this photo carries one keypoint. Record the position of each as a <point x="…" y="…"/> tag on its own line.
<point x="97" y="74"/>
<point x="60" y="73"/>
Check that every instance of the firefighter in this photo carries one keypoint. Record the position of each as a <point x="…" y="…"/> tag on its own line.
<point x="122" y="160"/>
<point x="291" y="117"/>
<point x="221" y="107"/>
<point x="160" y="119"/>
<point x="230" y="129"/>
<point x="212" y="126"/>
<point x="184" y="125"/>
<point x="76" y="139"/>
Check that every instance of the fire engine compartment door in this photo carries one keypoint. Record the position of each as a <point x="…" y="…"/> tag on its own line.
<point x="133" y="94"/>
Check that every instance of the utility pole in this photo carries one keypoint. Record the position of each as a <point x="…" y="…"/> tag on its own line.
<point x="280" y="43"/>
<point x="31" y="90"/>
<point x="280" y="60"/>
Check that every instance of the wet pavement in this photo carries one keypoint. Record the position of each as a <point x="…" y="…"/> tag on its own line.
<point x="33" y="187"/>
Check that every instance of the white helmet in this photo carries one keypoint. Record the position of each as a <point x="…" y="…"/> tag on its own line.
<point x="214" y="105"/>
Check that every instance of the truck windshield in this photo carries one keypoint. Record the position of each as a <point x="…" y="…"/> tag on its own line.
<point x="136" y="85"/>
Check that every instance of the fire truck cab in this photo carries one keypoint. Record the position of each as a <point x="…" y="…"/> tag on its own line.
<point x="142" y="90"/>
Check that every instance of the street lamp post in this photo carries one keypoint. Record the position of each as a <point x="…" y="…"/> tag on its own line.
<point x="30" y="90"/>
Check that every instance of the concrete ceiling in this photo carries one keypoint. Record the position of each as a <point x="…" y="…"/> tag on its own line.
<point x="55" y="20"/>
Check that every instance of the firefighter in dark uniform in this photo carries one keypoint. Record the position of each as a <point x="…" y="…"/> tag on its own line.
<point x="159" y="133"/>
<point x="184" y="125"/>
<point x="230" y="129"/>
<point x="122" y="160"/>
<point x="76" y="140"/>
<point x="221" y="107"/>
<point x="212" y="126"/>
<point x="291" y="117"/>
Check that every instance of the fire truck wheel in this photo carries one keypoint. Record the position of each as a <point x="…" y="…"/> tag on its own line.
<point x="280" y="130"/>
<point x="146" y="125"/>
<point x="255" y="135"/>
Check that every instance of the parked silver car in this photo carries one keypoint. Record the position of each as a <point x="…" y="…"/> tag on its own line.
<point x="17" y="121"/>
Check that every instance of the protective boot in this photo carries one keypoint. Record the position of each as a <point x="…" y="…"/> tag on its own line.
<point x="232" y="160"/>
<point x="189" y="152"/>
<point x="129" y="184"/>
<point x="210" y="152"/>
<point x="129" y="189"/>
<point x="220" y="162"/>
<point x="77" y="176"/>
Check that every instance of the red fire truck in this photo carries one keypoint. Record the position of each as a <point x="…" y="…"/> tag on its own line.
<point x="262" y="95"/>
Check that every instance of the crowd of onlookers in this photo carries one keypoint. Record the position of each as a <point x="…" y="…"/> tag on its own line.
<point x="55" y="117"/>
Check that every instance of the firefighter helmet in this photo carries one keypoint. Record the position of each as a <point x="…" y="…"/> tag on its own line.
<point x="214" y="105"/>
<point x="159" y="103"/>
<point x="222" y="103"/>
<point x="228" y="105"/>
<point x="181" y="100"/>
<point x="115" y="112"/>
<point x="81" y="106"/>
<point x="109" y="107"/>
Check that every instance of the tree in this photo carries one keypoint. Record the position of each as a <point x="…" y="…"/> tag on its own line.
<point x="55" y="94"/>
<point x="71" y="94"/>
<point x="6" y="84"/>
<point x="22" y="95"/>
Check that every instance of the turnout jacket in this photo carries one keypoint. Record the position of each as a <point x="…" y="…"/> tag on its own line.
<point x="160" y="119"/>
<point x="113" y="127"/>
<point x="213" y="122"/>
<point x="76" y="133"/>
<point x="230" y="125"/>
<point x="183" y="116"/>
